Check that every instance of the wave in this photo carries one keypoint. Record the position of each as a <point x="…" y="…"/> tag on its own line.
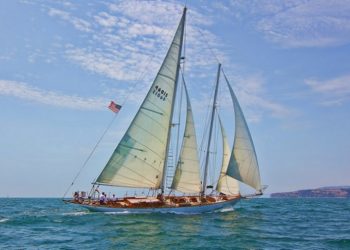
<point x="121" y="212"/>
<point x="3" y="220"/>
<point x="79" y="213"/>
<point x="225" y="209"/>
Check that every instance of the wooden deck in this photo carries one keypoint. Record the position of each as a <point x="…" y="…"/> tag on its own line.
<point x="155" y="202"/>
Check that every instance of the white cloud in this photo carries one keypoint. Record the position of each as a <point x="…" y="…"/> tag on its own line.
<point x="105" y="19"/>
<point x="99" y="63"/>
<point x="151" y="25"/>
<point x="299" y="23"/>
<point x="338" y="85"/>
<point x="121" y="65"/>
<point x="78" y="23"/>
<point x="148" y="12"/>
<point x="26" y="92"/>
<point x="135" y="31"/>
<point x="250" y="91"/>
<point x="336" y="91"/>
<point x="135" y="36"/>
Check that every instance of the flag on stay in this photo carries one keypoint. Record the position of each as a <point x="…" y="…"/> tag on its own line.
<point x="114" y="107"/>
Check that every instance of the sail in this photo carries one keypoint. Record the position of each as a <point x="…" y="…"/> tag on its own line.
<point x="226" y="184"/>
<point x="139" y="158"/>
<point x="187" y="175"/>
<point x="243" y="165"/>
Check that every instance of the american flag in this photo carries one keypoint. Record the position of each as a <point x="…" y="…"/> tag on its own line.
<point x="114" y="107"/>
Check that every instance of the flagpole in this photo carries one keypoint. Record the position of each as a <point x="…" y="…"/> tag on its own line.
<point x="91" y="153"/>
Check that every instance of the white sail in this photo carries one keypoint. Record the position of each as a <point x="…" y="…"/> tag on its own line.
<point x="243" y="164"/>
<point x="139" y="159"/>
<point x="187" y="174"/>
<point x="226" y="184"/>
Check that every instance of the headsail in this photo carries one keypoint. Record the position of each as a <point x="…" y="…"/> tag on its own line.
<point x="243" y="164"/>
<point x="139" y="158"/>
<point x="226" y="184"/>
<point x="187" y="175"/>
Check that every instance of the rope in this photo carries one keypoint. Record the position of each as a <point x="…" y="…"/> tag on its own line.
<point x="140" y="78"/>
<point x="89" y="156"/>
<point x="209" y="47"/>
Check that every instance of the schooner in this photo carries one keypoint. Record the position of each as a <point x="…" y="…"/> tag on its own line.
<point x="140" y="159"/>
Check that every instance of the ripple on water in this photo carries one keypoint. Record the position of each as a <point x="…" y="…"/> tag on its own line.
<point x="253" y="224"/>
<point x="79" y="213"/>
<point x="3" y="220"/>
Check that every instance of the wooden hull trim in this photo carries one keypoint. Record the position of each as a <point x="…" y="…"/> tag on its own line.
<point x="193" y="209"/>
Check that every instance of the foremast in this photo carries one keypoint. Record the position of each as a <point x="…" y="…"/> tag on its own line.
<point x="182" y="24"/>
<point x="187" y="174"/>
<point x="206" y="164"/>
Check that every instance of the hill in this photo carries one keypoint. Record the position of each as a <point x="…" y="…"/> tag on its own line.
<point x="323" y="192"/>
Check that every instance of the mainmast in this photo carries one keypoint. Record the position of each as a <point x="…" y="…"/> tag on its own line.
<point x="210" y="133"/>
<point x="139" y="160"/>
<point x="162" y="186"/>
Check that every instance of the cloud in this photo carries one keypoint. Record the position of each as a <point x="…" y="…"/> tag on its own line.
<point x="26" y="92"/>
<point x="298" y="23"/>
<point x="129" y="39"/>
<point x="150" y="25"/>
<point x="119" y="65"/>
<point x="78" y="23"/>
<point x="105" y="19"/>
<point x="250" y="91"/>
<point x="133" y="36"/>
<point x="336" y="91"/>
<point x="99" y="62"/>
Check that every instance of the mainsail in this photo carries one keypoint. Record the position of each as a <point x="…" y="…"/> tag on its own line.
<point x="139" y="158"/>
<point x="243" y="164"/>
<point x="226" y="184"/>
<point x="187" y="175"/>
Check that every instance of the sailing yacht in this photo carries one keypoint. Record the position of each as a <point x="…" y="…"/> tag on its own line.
<point x="140" y="160"/>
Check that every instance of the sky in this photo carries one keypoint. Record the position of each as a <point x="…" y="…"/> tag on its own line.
<point x="62" y="62"/>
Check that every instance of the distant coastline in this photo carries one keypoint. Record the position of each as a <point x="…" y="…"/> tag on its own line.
<point x="323" y="192"/>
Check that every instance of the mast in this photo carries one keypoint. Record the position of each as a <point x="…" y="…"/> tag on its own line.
<point x="162" y="186"/>
<point x="210" y="133"/>
<point x="139" y="159"/>
<point x="187" y="177"/>
<point x="226" y="184"/>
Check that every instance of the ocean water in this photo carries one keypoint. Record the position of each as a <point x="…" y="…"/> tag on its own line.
<point x="252" y="224"/>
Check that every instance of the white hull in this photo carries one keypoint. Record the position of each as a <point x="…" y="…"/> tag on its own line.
<point x="178" y="210"/>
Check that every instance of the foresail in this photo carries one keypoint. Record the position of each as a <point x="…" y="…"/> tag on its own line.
<point x="139" y="158"/>
<point x="187" y="175"/>
<point x="243" y="164"/>
<point x="226" y="184"/>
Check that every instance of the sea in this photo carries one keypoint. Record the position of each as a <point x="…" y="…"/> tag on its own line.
<point x="265" y="223"/>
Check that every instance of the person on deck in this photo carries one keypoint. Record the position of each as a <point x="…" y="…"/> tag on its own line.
<point x="76" y="196"/>
<point x="113" y="198"/>
<point x="103" y="198"/>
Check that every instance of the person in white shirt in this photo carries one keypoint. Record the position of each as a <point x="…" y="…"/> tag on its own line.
<point x="113" y="198"/>
<point x="103" y="198"/>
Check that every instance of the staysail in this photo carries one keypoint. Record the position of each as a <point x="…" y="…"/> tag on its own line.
<point x="243" y="165"/>
<point x="187" y="175"/>
<point x="226" y="184"/>
<point x="139" y="158"/>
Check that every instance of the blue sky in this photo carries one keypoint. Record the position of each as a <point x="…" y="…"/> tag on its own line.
<point x="61" y="62"/>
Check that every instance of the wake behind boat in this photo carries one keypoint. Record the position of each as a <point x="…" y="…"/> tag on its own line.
<point x="141" y="158"/>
